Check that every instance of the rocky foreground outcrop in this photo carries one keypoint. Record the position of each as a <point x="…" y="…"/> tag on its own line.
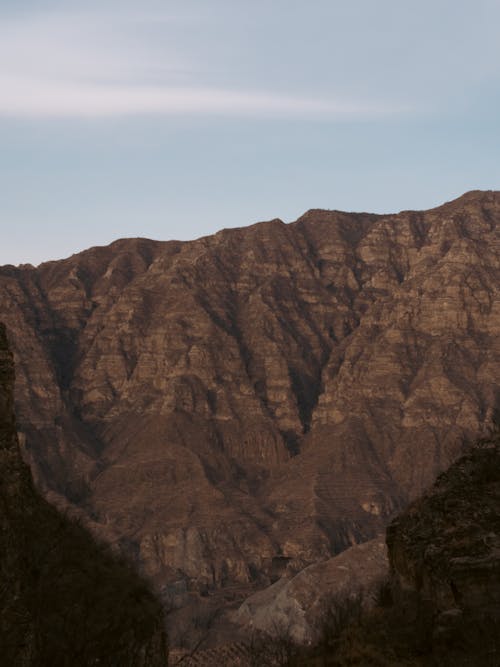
<point x="262" y="396"/>
<point x="65" y="600"/>
<point x="445" y="548"/>
<point x="434" y="603"/>
<point x="441" y="607"/>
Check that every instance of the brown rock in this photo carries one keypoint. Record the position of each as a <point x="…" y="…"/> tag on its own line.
<point x="446" y="546"/>
<point x="273" y="391"/>
<point x="296" y="605"/>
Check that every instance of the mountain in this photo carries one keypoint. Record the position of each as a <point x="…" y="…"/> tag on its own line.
<point x="426" y="595"/>
<point x="295" y="607"/>
<point x="441" y="604"/>
<point x="66" y="600"/>
<point x="241" y="406"/>
<point x="444" y="551"/>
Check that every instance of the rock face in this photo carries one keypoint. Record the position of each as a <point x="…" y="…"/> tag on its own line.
<point x="264" y="395"/>
<point x="446" y="546"/>
<point x="295" y="606"/>
<point x="444" y="553"/>
<point x="65" y="600"/>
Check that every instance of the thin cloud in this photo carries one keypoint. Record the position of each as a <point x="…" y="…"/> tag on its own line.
<point x="61" y="65"/>
<point x="24" y="97"/>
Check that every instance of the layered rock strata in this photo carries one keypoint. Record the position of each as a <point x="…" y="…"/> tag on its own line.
<point x="265" y="395"/>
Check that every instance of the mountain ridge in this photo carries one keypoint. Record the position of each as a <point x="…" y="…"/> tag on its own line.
<point x="272" y="391"/>
<point x="467" y="196"/>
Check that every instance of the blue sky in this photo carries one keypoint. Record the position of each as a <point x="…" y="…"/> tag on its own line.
<point x="173" y="119"/>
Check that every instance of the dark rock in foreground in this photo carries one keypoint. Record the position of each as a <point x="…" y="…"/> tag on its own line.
<point x="441" y="605"/>
<point x="445" y="551"/>
<point x="64" y="599"/>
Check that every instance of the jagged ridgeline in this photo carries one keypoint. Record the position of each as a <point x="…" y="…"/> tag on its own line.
<point x="64" y="599"/>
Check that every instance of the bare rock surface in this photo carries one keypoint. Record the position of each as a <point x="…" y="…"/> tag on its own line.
<point x="446" y="546"/>
<point x="444" y="553"/>
<point x="266" y="394"/>
<point x="295" y="606"/>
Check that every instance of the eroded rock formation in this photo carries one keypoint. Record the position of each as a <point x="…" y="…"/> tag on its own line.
<point x="295" y="607"/>
<point x="446" y="546"/>
<point x="444" y="553"/>
<point x="264" y="394"/>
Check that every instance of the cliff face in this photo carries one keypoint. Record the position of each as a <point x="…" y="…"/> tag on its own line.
<point x="444" y="554"/>
<point x="65" y="600"/>
<point x="440" y="606"/>
<point x="446" y="546"/>
<point x="273" y="392"/>
<point x="296" y="606"/>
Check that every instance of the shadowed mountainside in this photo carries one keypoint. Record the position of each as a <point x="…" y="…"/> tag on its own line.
<point x="439" y="606"/>
<point x="231" y="408"/>
<point x="443" y="609"/>
<point x="65" y="600"/>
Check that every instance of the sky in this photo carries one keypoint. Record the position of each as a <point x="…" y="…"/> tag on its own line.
<point x="176" y="118"/>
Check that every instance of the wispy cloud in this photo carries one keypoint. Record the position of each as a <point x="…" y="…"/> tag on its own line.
<point x="62" y="65"/>
<point x="34" y="97"/>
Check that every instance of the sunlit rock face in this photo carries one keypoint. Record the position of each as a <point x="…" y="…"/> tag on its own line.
<point x="275" y="391"/>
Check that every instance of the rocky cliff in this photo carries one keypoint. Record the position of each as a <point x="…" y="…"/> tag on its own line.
<point x="65" y="600"/>
<point x="441" y="607"/>
<point x="445" y="549"/>
<point x="261" y="398"/>
<point x="296" y="607"/>
<point x="436" y="603"/>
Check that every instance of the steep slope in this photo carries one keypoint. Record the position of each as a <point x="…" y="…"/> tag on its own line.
<point x="263" y="395"/>
<point x="437" y="606"/>
<point x="446" y="546"/>
<point x="296" y="607"/>
<point x="444" y="553"/>
<point x="64" y="599"/>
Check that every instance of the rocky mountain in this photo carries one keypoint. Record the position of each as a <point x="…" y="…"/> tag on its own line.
<point x="295" y="606"/>
<point x="65" y="600"/>
<point x="444" y="551"/>
<point x="237" y="407"/>
<point x="425" y="595"/>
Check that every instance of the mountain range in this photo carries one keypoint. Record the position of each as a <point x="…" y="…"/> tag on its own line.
<point x="231" y="409"/>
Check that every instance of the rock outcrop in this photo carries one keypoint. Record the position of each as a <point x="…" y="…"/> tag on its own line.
<point x="263" y="395"/>
<point x="445" y="547"/>
<point x="296" y="606"/>
<point x="65" y="600"/>
<point x="434" y="603"/>
<point x="441" y="606"/>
